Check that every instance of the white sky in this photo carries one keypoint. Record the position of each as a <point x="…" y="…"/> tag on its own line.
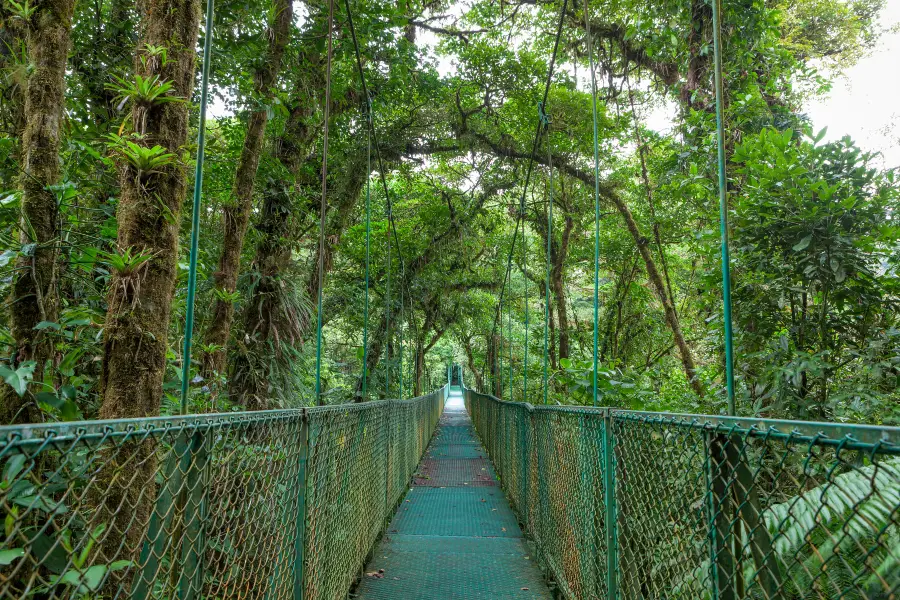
<point x="864" y="104"/>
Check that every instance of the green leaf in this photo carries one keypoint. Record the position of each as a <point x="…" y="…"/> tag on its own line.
<point x="7" y="556"/>
<point x="47" y="324"/>
<point x="19" y="378"/>
<point x="13" y="467"/>
<point x="803" y="244"/>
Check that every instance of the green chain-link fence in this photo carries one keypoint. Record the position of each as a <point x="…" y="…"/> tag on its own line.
<point x="636" y="505"/>
<point x="268" y="505"/>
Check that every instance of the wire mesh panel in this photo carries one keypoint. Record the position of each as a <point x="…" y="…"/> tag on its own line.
<point x="635" y="505"/>
<point x="273" y="504"/>
<point x="769" y="509"/>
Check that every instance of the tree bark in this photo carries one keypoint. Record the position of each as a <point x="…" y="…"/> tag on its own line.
<point x="611" y="195"/>
<point x="470" y="358"/>
<point x="140" y="298"/>
<point x="236" y="214"/>
<point x="34" y="295"/>
<point x="149" y="214"/>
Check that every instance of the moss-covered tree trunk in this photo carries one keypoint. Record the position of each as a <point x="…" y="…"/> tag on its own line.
<point x="236" y="215"/>
<point x="149" y="214"/>
<point x="140" y="296"/>
<point x="34" y="286"/>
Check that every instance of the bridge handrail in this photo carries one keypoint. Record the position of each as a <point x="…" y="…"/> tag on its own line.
<point x="268" y="504"/>
<point x="633" y="504"/>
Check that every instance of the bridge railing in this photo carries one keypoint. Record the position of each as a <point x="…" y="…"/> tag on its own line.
<point x="273" y="504"/>
<point x="636" y="505"/>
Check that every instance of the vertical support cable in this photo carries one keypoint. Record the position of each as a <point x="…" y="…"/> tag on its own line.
<point x="546" y="119"/>
<point x="590" y="51"/>
<point x="323" y="202"/>
<point x="723" y="203"/>
<point x="527" y="321"/>
<point x="195" y="217"/>
<point x="365" y="360"/>
<point x="498" y="388"/>
<point x="400" y="329"/>
<point x="509" y="330"/>
<point x="387" y="310"/>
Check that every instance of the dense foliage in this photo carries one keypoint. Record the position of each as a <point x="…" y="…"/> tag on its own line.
<point x="99" y="115"/>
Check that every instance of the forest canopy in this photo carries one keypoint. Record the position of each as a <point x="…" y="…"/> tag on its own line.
<point x="99" y="116"/>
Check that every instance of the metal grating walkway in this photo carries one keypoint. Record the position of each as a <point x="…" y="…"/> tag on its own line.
<point x="453" y="536"/>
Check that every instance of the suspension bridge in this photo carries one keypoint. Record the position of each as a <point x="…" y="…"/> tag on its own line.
<point x="454" y="494"/>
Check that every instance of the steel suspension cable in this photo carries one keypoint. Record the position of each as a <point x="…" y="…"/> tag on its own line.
<point x="365" y="359"/>
<point x="590" y="51"/>
<point x="195" y="216"/>
<point x="531" y="160"/>
<point x="322" y="211"/>
<point x="374" y="132"/>
<point x="387" y="312"/>
<point x="546" y="119"/>
<point x="723" y="202"/>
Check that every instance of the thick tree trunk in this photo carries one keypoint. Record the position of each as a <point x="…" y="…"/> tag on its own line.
<point x="420" y="366"/>
<point x="347" y="192"/>
<point x="656" y="280"/>
<point x="140" y="297"/>
<point x="236" y="214"/>
<point x="470" y="358"/>
<point x="609" y="193"/>
<point x="34" y="285"/>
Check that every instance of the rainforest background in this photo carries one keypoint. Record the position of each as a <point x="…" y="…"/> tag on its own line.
<point x="98" y="122"/>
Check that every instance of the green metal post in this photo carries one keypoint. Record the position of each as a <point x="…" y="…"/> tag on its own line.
<point x="300" y="527"/>
<point x="722" y="563"/>
<point x="723" y="203"/>
<point x="609" y="497"/>
<point x="195" y="216"/>
<point x="546" y="120"/>
<point x="509" y="330"/>
<point x="177" y="464"/>
<point x="365" y="362"/>
<point x="387" y="310"/>
<point x="527" y="320"/>
<point x="190" y="581"/>
<point x="324" y="205"/>
<point x="590" y="52"/>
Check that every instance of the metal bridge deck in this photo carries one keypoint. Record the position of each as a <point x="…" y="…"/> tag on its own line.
<point x="454" y="535"/>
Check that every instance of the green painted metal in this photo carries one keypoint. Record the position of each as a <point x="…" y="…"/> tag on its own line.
<point x="271" y="504"/>
<point x="300" y="519"/>
<point x="590" y="52"/>
<point x="323" y="204"/>
<point x="387" y="312"/>
<point x="692" y="506"/>
<point x="609" y="501"/>
<point x="193" y="544"/>
<point x="723" y="201"/>
<point x="195" y="215"/>
<point x="546" y="119"/>
<point x="456" y="537"/>
<point x="365" y="363"/>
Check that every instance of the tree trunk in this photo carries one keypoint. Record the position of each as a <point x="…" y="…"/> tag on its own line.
<point x="149" y="214"/>
<point x="420" y="365"/>
<point x="34" y="297"/>
<point x="140" y="297"/>
<point x="236" y="214"/>
<point x="611" y="194"/>
<point x="643" y="245"/>
<point x="470" y="358"/>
